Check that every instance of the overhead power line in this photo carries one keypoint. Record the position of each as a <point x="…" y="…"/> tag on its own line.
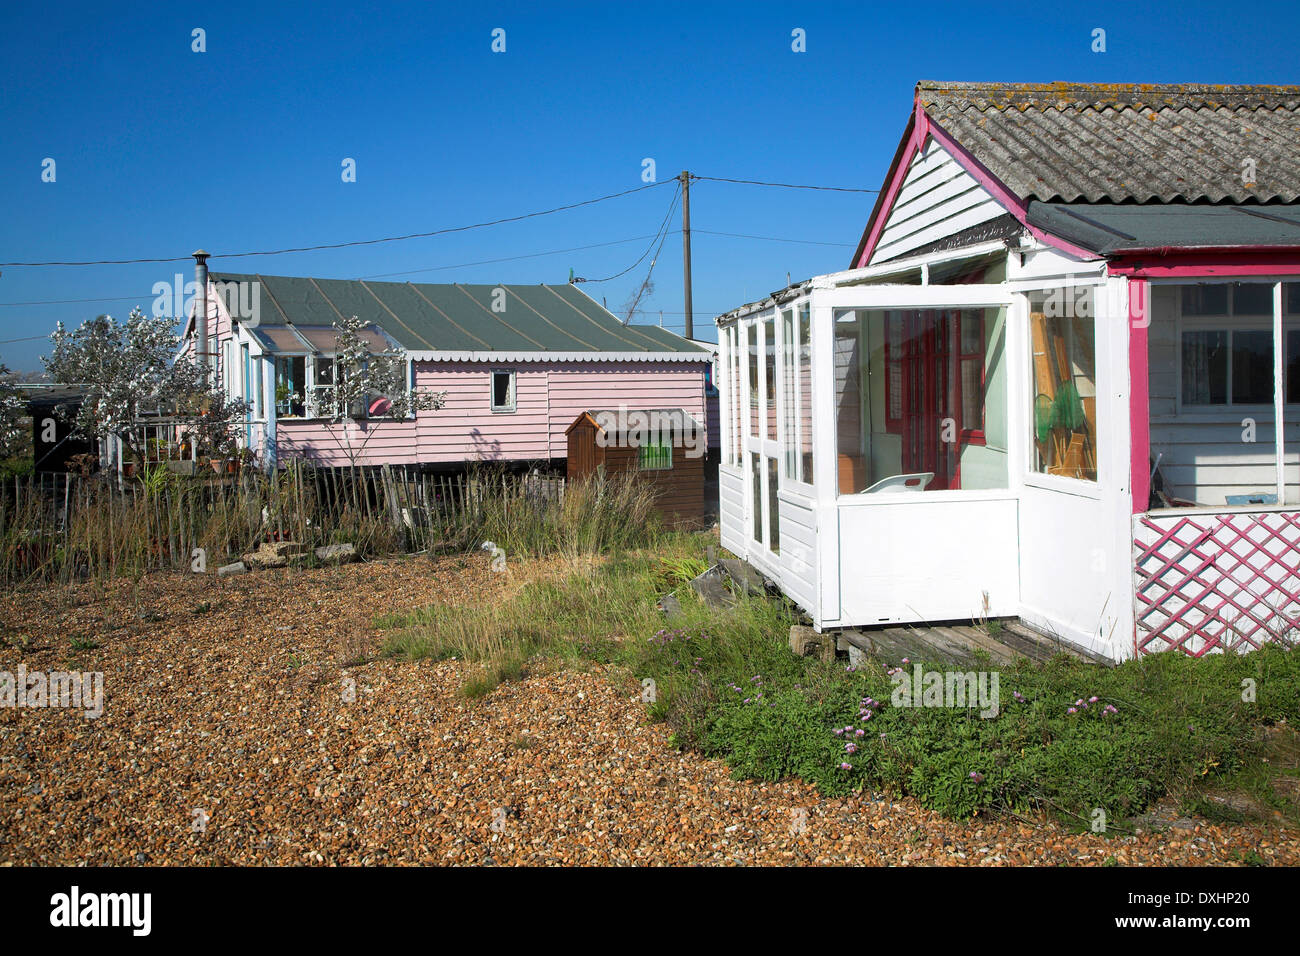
<point x="356" y="242"/>
<point x="120" y="298"/>
<point x="659" y="238"/>
<point x="757" y="182"/>
<point x="804" y="242"/>
<point x="426" y="235"/>
<point x="531" y="255"/>
<point x="458" y="265"/>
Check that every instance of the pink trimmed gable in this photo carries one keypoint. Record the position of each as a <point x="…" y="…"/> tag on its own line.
<point x="920" y="128"/>
<point x="913" y="137"/>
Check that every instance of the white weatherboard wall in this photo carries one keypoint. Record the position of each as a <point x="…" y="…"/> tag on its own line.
<point x="938" y="198"/>
<point x="731" y="508"/>
<point x="798" y="549"/>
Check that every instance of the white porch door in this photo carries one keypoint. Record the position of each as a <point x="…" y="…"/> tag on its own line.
<point x="1074" y="547"/>
<point x="895" y="555"/>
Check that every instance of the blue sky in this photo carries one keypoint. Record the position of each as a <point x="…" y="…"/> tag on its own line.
<point x="160" y="150"/>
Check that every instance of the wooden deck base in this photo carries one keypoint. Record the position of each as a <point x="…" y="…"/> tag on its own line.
<point x="957" y="643"/>
<point x="953" y="642"/>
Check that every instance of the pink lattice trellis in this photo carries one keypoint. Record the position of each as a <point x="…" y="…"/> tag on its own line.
<point x="1210" y="582"/>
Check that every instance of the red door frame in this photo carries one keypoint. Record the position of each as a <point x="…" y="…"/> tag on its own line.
<point x="931" y="367"/>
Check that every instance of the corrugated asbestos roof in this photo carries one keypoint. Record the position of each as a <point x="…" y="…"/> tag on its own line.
<point x="1127" y="142"/>
<point x="460" y="318"/>
<point x="1111" y="227"/>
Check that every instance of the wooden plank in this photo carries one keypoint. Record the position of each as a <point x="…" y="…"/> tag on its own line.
<point x="896" y="643"/>
<point x="976" y="640"/>
<point x="1052" y="645"/>
<point x="954" y="648"/>
<point x="995" y="647"/>
<point x="744" y="575"/>
<point x="1029" y="647"/>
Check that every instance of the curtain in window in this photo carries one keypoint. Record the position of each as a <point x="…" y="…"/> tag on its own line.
<point x="1196" y="369"/>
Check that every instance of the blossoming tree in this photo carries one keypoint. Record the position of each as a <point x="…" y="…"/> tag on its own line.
<point x="131" y="368"/>
<point x="368" y="385"/>
<point x="12" y="413"/>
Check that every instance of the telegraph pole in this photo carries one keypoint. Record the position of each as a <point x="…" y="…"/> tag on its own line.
<point x="686" y="252"/>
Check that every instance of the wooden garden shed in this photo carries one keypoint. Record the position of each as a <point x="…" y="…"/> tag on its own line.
<point x="666" y="446"/>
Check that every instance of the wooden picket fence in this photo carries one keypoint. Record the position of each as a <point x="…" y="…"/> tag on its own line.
<point x="55" y="525"/>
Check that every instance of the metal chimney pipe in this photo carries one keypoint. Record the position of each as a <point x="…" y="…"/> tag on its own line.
<point x="201" y="313"/>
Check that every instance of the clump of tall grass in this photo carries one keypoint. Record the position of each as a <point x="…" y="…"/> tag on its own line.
<point x="603" y="611"/>
<point x="91" y="527"/>
<point x="591" y="516"/>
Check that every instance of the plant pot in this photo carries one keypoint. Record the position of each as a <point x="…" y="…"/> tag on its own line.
<point x="232" y="466"/>
<point x="128" y="469"/>
<point x="217" y="465"/>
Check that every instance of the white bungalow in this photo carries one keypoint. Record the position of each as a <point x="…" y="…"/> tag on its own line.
<point x="1048" y="385"/>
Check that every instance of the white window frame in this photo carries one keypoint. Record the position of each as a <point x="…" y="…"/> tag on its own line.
<point x="514" y="391"/>
<point x="799" y="483"/>
<point x="313" y="390"/>
<point x="1279" y="326"/>
<point x="1228" y="322"/>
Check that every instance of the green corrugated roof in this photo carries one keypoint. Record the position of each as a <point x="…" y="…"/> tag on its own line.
<point x="460" y="318"/>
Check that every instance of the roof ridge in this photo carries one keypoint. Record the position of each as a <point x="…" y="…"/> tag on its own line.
<point x="985" y="97"/>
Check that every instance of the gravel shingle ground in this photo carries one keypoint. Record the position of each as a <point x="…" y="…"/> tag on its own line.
<point x="230" y="736"/>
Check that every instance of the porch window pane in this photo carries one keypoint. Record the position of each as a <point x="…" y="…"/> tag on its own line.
<point x="1205" y="368"/>
<point x="1252" y="298"/>
<point x="773" y="510"/>
<point x="1211" y="389"/>
<point x="323" y="405"/>
<point x="737" y="395"/>
<point x="789" y="432"/>
<point x="1207" y="299"/>
<point x="1293" y="367"/>
<point x="769" y="381"/>
<point x="805" y="396"/>
<point x="753" y="334"/>
<point x="1252" y="367"/>
<point x="850" y="435"/>
<point x="290" y="386"/>
<point x="920" y="400"/>
<point x="756" y="479"/>
<point x="1064" y="410"/>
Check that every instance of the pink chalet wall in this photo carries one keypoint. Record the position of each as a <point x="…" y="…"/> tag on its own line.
<point x="548" y="397"/>
<point x="584" y="385"/>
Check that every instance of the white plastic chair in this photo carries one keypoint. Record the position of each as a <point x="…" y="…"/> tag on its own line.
<point x="913" y="482"/>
